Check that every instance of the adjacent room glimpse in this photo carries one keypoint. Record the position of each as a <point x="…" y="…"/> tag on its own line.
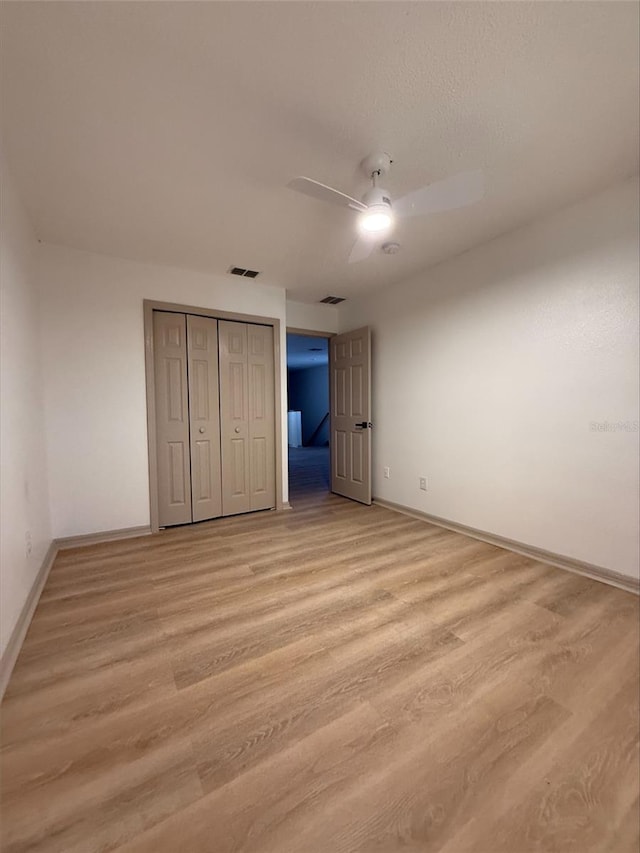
<point x="308" y="416"/>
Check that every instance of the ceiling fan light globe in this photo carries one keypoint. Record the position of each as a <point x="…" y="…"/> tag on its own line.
<point x="375" y="219"/>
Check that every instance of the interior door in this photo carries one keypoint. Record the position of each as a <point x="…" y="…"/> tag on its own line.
<point x="204" y="417"/>
<point x="350" y="373"/>
<point x="172" y="418"/>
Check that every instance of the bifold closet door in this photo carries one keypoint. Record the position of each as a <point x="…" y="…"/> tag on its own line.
<point x="247" y="417"/>
<point x="204" y="417"/>
<point x="172" y="418"/>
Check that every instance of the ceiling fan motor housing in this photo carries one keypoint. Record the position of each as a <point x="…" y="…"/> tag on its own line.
<point x="377" y="198"/>
<point x="377" y="163"/>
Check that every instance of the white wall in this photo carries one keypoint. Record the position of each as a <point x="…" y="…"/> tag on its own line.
<point x="312" y="317"/>
<point x="490" y="369"/>
<point x="93" y="347"/>
<point x="23" y="475"/>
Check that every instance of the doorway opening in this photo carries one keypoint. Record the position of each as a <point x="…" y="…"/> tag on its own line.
<point x="308" y="416"/>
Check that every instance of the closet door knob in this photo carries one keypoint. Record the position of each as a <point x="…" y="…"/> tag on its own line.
<point x="237" y="429"/>
<point x="201" y="429"/>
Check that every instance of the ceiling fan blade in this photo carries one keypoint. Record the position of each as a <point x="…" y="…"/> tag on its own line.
<point x="315" y="189"/>
<point x="448" y="194"/>
<point x="362" y="248"/>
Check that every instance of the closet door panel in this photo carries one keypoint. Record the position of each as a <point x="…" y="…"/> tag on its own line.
<point x="204" y="416"/>
<point x="234" y="423"/>
<point x="172" y="418"/>
<point x="261" y="415"/>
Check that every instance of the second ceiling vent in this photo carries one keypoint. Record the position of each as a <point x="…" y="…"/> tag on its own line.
<point x="243" y="272"/>
<point x="333" y="300"/>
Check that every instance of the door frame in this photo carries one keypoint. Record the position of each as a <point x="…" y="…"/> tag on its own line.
<point x="151" y="305"/>
<point x="312" y="333"/>
<point x="308" y="333"/>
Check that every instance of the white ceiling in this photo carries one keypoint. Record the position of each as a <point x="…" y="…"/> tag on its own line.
<point x="166" y="132"/>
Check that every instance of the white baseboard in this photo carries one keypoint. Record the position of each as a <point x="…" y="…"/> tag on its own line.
<point x="10" y="654"/>
<point x="558" y="560"/>
<point x="103" y="536"/>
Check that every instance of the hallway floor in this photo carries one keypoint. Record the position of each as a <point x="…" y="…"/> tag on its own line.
<point x="309" y="474"/>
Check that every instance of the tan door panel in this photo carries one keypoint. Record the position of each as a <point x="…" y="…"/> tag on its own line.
<point x="261" y="417"/>
<point x="204" y="412"/>
<point x="350" y="372"/>
<point x="172" y="418"/>
<point x="234" y="417"/>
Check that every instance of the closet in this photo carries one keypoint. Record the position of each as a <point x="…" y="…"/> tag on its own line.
<point x="214" y="417"/>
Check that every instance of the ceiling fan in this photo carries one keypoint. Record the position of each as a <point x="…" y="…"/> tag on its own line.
<point x="377" y="212"/>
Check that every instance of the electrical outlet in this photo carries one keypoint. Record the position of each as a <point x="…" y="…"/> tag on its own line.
<point x="28" y="547"/>
<point x="387" y="473"/>
<point x="423" y="484"/>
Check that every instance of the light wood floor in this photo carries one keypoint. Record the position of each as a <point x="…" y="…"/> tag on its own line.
<point x="336" y="678"/>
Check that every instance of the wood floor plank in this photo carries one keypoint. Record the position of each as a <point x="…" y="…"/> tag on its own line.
<point x="419" y="785"/>
<point x="60" y="708"/>
<point x="336" y="678"/>
<point x="261" y="801"/>
<point x="288" y="715"/>
<point x="581" y="793"/>
<point x="99" y="809"/>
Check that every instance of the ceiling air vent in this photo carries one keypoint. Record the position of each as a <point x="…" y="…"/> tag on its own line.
<point x="243" y="272"/>
<point x="333" y="300"/>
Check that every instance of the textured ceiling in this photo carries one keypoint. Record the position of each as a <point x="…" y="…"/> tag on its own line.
<point x="166" y="132"/>
<point x="304" y="351"/>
